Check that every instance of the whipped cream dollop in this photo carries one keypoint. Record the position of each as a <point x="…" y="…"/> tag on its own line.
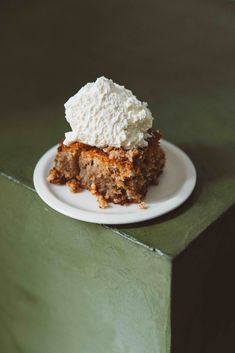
<point x="103" y="113"/>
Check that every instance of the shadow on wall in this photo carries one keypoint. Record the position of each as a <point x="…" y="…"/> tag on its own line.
<point x="203" y="292"/>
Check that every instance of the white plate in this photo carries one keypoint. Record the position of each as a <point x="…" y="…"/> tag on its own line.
<point x="176" y="184"/>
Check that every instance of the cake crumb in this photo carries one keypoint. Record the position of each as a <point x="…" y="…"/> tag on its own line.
<point x="101" y="201"/>
<point x="74" y="185"/>
<point x="93" y="189"/>
<point x="142" y="205"/>
<point x="54" y="177"/>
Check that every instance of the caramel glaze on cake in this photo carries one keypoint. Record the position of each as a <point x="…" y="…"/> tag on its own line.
<point x="111" y="174"/>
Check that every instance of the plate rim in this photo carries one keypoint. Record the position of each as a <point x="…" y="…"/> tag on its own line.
<point x="42" y="189"/>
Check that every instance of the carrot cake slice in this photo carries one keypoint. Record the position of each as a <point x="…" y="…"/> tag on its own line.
<point x="111" y="174"/>
<point x="112" y="150"/>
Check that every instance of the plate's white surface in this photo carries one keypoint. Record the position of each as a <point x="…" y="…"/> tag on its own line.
<point x="176" y="184"/>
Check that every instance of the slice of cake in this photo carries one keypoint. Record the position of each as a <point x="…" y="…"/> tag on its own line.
<point x="112" y="150"/>
<point x="112" y="174"/>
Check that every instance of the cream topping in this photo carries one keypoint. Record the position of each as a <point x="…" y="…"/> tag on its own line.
<point x="103" y="113"/>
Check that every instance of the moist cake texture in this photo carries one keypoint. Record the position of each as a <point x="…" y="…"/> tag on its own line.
<point x="112" y="174"/>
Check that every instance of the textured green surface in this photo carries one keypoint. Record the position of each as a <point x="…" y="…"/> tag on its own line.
<point x="180" y="59"/>
<point x="70" y="289"/>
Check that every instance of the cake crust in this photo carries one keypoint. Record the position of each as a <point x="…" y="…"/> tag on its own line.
<point x="111" y="174"/>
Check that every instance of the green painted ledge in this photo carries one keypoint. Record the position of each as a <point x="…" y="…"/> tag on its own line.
<point x="74" y="289"/>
